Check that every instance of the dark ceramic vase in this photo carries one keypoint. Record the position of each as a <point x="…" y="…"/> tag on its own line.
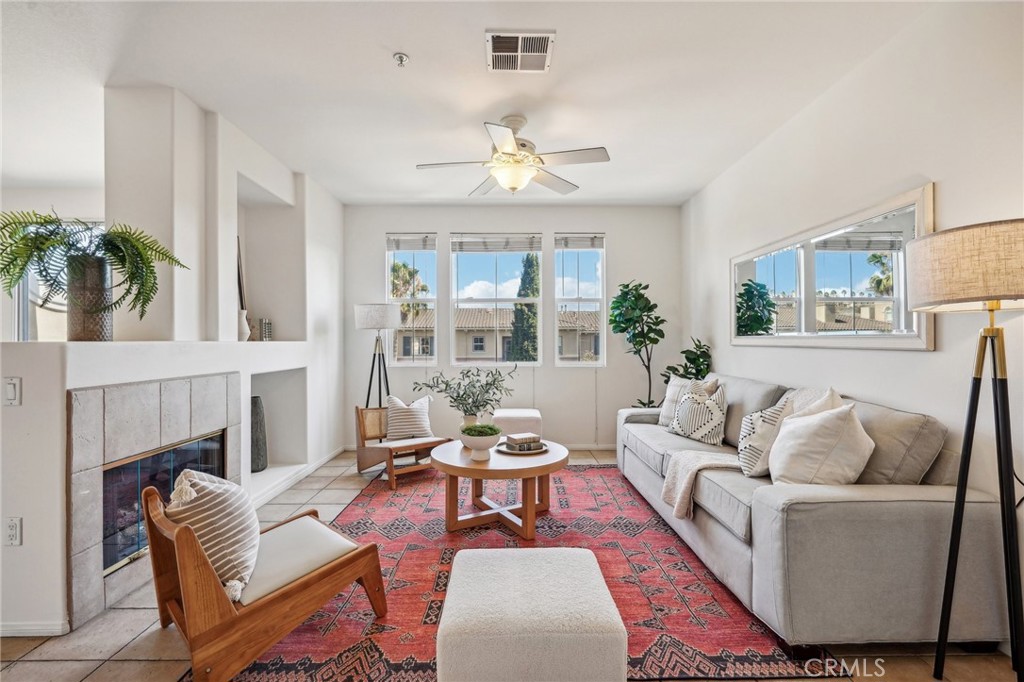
<point x="258" y="437"/>
<point x="88" y="292"/>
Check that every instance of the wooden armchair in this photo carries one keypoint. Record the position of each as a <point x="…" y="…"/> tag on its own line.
<point x="372" y="424"/>
<point x="290" y="582"/>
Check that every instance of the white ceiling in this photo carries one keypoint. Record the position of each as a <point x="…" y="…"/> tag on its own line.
<point x="676" y="91"/>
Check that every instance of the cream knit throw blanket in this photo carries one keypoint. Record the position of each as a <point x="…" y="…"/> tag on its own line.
<point x="681" y="476"/>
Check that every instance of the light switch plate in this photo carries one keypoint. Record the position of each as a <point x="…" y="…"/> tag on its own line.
<point x="12" y="391"/>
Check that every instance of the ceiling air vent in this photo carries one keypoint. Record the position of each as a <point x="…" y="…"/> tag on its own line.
<point x="524" y="51"/>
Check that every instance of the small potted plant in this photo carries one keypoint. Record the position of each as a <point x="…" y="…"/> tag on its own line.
<point x="473" y="392"/>
<point x="480" y="438"/>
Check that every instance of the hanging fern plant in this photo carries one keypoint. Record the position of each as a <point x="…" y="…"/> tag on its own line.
<point x="56" y="250"/>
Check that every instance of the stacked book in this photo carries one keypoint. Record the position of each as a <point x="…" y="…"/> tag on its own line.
<point x="523" y="442"/>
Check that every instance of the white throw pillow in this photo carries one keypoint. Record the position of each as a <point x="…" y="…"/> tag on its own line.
<point x="828" y="448"/>
<point x="757" y="434"/>
<point x="701" y="417"/>
<point x="409" y="421"/>
<point x="813" y="400"/>
<point x="678" y="386"/>
<point x="224" y="520"/>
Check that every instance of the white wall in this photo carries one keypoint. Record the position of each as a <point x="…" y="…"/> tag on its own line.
<point x="942" y="102"/>
<point x="578" y="404"/>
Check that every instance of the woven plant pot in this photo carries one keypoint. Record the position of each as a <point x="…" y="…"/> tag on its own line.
<point x="88" y="292"/>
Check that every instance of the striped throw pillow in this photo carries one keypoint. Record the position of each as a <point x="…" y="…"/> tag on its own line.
<point x="678" y="386"/>
<point x="701" y="417"/>
<point x="224" y="520"/>
<point x="757" y="434"/>
<point x="409" y="421"/>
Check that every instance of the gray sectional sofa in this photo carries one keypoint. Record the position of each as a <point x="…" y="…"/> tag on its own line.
<point x="833" y="564"/>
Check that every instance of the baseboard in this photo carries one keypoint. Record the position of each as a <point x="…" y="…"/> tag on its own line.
<point x="35" y="629"/>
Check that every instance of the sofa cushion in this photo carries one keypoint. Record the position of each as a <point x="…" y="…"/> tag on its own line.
<point x="906" y="444"/>
<point x="652" y="444"/>
<point x="743" y="397"/>
<point x="727" y="496"/>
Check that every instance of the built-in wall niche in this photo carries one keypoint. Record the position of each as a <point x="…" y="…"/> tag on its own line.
<point x="271" y="236"/>
<point x="283" y="395"/>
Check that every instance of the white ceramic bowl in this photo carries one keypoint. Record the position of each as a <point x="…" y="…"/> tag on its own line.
<point x="480" y="442"/>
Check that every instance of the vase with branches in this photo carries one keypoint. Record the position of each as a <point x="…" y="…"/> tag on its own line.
<point x="634" y="314"/>
<point x="473" y="392"/>
<point x="74" y="259"/>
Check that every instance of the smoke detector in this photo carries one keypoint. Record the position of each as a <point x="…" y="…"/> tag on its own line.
<point x="523" y="51"/>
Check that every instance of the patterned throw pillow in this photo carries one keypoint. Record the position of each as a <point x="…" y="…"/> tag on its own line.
<point x="409" y="421"/>
<point x="678" y="386"/>
<point x="757" y="433"/>
<point x="701" y="417"/>
<point x="224" y="520"/>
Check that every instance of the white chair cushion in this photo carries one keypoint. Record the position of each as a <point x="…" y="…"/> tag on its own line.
<point x="291" y="551"/>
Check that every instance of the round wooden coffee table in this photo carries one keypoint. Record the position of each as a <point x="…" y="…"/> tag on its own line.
<point x="533" y="470"/>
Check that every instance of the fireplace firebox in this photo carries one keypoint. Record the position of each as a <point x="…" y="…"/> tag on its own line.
<point x="124" y="531"/>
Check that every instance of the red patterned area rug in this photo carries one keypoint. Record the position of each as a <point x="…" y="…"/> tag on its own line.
<point x="682" y="622"/>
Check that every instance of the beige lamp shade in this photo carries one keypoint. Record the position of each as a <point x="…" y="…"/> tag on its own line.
<point x="378" y="316"/>
<point x="964" y="268"/>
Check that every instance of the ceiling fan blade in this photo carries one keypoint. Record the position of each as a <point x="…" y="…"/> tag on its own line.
<point x="484" y="187"/>
<point x="503" y="138"/>
<point x="592" y="155"/>
<point x="453" y="163"/>
<point x="553" y="182"/>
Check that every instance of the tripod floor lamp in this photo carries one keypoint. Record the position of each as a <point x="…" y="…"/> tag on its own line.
<point x="978" y="268"/>
<point x="378" y="316"/>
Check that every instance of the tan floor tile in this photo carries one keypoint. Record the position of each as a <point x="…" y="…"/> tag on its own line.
<point x="327" y="512"/>
<point x="581" y="459"/>
<point x="358" y="482"/>
<point x="275" y="512"/>
<point x="893" y="669"/>
<point x="338" y="496"/>
<point x="580" y="453"/>
<point x="344" y="459"/>
<point x="49" y="671"/>
<point x="140" y="671"/>
<point x="142" y="598"/>
<point x="987" y="667"/>
<point x="313" y="483"/>
<point x="99" y="639"/>
<point x="294" y="496"/>
<point x="332" y="470"/>
<point x="604" y="456"/>
<point x="13" y="648"/>
<point x="155" y="644"/>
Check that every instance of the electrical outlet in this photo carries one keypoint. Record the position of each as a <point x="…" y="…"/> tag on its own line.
<point x="12" y="530"/>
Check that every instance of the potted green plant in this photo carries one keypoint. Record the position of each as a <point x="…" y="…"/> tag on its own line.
<point x="74" y="259"/>
<point x="696" y="363"/>
<point x="755" y="310"/>
<point x="634" y="314"/>
<point x="480" y="438"/>
<point x="473" y="392"/>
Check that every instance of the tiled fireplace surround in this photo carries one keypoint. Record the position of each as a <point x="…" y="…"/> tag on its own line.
<point x="111" y="423"/>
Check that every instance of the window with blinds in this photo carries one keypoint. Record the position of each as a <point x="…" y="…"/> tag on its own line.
<point x="496" y="291"/>
<point x="412" y="283"/>
<point x="579" y="299"/>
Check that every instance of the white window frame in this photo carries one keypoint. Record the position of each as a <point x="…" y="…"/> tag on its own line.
<point x="409" y="241"/>
<point x="532" y="243"/>
<point x="575" y="241"/>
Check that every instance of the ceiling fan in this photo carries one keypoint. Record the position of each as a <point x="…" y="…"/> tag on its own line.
<point x="515" y="162"/>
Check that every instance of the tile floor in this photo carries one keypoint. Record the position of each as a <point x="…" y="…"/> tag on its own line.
<point x="127" y="644"/>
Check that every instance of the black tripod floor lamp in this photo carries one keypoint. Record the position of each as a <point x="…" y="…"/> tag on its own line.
<point x="978" y="268"/>
<point x="378" y="316"/>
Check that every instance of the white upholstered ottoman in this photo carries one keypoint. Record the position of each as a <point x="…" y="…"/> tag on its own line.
<point x="529" y="615"/>
<point x="519" y="420"/>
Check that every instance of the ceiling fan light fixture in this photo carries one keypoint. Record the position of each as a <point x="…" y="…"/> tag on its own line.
<point x="513" y="177"/>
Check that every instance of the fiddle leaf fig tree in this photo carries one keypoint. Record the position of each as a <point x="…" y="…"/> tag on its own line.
<point x="634" y="314"/>
<point x="755" y="310"/>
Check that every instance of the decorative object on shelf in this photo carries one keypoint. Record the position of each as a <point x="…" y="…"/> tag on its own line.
<point x="378" y="317"/>
<point x="755" y="310"/>
<point x="634" y="314"/>
<point x="978" y="268"/>
<point x="480" y="438"/>
<point x="696" y="363"/>
<point x="266" y="329"/>
<point x="244" y="329"/>
<point x="473" y="392"/>
<point x="73" y="258"/>
<point x="258" y="436"/>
